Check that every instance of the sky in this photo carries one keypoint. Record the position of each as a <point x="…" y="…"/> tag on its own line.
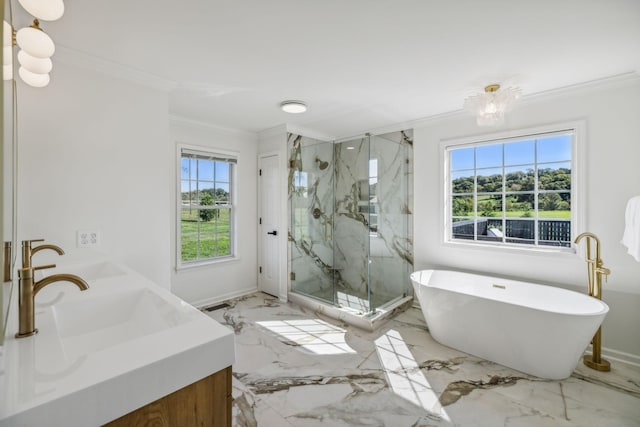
<point x="554" y="150"/>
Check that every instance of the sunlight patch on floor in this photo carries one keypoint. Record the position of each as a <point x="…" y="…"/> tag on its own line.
<point x="404" y="375"/>
<point x="352" y="302"/>
<point x="314" y="335"/>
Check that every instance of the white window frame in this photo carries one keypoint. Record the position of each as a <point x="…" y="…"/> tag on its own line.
<point x="214" y="153"/>
<point x="578" y="184"/>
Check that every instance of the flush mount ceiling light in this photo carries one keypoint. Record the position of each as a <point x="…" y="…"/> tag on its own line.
<point x="293" y="107"/>
<point x="489" y="107"/>
<point x="36" y="47"/>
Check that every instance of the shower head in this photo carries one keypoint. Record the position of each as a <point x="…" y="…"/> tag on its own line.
<point x="322" y="165"/>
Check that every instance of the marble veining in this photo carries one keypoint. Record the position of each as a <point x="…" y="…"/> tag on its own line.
<point x="295" y="367"/>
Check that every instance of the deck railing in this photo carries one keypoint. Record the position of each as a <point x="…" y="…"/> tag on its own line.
<point x="551" y="232"/>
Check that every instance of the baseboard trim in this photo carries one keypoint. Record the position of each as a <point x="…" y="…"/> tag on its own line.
<point x="220" y="298"/>
<point x="618" y="356"/>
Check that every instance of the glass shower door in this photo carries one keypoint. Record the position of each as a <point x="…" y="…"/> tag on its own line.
<point x="352" y="225"/>
<point x="311" y="205"/>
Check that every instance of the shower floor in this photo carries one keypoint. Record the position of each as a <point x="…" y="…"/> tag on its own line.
<point x="343" y="298"/>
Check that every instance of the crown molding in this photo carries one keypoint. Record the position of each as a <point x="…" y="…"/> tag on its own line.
<point x="619" y="80"/>
<point x="185" y="121"/>
<point x="77" y="58"/>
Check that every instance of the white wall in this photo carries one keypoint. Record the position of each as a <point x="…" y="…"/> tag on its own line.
<point x="211" y="283"/>
<point x="94" y="154"/>
<point x="613" y="176"/>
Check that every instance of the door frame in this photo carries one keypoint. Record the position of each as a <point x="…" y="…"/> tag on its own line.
<point x="282" y="224"/>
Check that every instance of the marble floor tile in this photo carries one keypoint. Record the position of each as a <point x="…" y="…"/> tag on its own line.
<point x="295" y="368"/>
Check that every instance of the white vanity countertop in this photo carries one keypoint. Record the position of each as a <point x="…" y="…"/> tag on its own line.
<point x="80" y="373"/>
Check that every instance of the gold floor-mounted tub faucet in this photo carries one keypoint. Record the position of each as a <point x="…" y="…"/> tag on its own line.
<point x="28" y="287"/>
<point x="595" y="271"/>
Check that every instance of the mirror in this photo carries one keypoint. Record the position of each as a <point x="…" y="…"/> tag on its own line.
<point x="7" y="189"/>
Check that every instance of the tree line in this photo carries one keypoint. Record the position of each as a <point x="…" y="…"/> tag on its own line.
<point x="517" y="182"/>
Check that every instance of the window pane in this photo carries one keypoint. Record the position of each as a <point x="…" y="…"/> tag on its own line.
<point x="462" y="228"/>
<point x="223" y="170"/>
<point x="489" y="180"/>
<point x="554" y="149"/>
<point x="462" y="182"/>
<point x="186" y="194"/>
<point x="520" y="231"/>
<point x="189" y="248"/>
<point x="489" y="156"/>
<point x="519" y="153"/>
<point x="207" y="245"/>
<point x="205" y="170"/>
<point x="554" y="233"/>
<point x="193" y="169"/>
<point x="490" y="206"/>
<point x="462" y="158"/>
<point x="554" y="205"/>
<point x="223" y="245"/>
<point x="520" y="178"/>
<point x="189" y="215"/>
<point x="222" y="192"/>
<point x="184" y="168"/>
<point x="519" y="205"/>
<point x="555" y="176"/>
<point x="462" y="206"/>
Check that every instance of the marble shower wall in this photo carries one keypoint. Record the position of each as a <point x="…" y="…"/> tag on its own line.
<point x="360" y="244"/>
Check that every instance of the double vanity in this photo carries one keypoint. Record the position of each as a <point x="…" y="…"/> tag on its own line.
<point x="122" y="353"/>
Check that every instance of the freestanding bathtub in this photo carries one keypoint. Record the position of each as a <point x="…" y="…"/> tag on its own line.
<point x="536" y="329"/>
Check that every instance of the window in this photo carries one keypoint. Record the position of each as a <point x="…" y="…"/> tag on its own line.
<point x="512" y="192"/>
<point x="205" y="206"/>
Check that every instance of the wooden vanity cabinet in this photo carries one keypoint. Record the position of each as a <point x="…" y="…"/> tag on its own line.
<point x="205" y="403"/>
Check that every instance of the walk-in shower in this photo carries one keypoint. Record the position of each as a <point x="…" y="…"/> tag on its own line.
<point x="350" y="229"/>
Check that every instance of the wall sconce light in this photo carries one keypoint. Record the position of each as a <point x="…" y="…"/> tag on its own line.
<point x="489" y="107"/>
<point x="36" y="47"/>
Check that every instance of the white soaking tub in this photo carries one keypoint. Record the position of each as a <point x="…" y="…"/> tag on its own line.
<point x="536" y="329"/>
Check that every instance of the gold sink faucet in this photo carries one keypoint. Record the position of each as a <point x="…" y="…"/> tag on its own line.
<point x="595" y="271"/>
<point x="28" y="287"/>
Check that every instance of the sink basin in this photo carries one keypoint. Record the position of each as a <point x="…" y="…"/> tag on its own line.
<point x="93" y="323"/>
<point x="99" y="270"/>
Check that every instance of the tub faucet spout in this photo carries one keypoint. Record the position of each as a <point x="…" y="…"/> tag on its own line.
<point x="595" y="271"/>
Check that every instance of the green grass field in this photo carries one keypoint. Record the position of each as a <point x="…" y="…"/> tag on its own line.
<point x="212" y="238"/>
<point x="541" y="214"/>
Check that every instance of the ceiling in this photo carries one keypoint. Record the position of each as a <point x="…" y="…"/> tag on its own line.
<point x="358" y="64"/>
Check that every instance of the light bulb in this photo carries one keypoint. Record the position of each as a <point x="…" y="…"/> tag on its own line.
<point x="47" y="10"/>
<point x="7" y="72"/>
<point x="33" y="64"/>
<point x="35" y="42"/>
<point x="7" y="55"/>
<point x="7" y="36"/>
<point x="491" y="108"/>
<point x="33" y="79"/>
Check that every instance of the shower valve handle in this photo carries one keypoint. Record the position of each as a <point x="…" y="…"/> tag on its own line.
<point x="274" y="232"/>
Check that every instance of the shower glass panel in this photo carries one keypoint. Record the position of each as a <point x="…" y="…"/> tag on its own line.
<point x="390" y="247"/>
<point x="350" y="211"/>
<point x="352" y="225"/>
<point x="311" y="202"/>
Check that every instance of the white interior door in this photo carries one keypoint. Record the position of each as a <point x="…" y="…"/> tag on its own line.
<point x="270" y="233"/>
